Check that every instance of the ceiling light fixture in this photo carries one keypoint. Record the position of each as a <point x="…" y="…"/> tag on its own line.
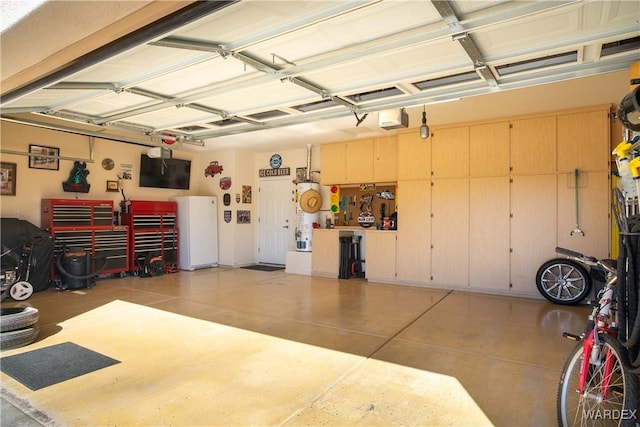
<point x="424" y="129"/>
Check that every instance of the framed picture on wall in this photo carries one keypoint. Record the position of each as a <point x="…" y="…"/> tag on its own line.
<point x="40" y="157"/>
<point x="244" y="217"/>
<point x="113" y="186"/>
<point x="8" y="179"/>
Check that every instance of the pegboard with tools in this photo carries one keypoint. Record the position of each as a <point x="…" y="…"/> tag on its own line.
<point x="379" y="200"/>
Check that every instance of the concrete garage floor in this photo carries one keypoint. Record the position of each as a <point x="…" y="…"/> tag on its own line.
<point x="243" y="347"/>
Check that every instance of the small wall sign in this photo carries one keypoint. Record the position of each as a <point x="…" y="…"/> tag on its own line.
<point x="262" y="173"/>
<point x="246" y="194"/>
<point x="77" y="181"/>
<point x="275" y="161"/>
<point x="225" y="182"/>
<point x="8" y="178"/>
<point x="276" y="168"/>
<point x="213" y="168"/>
<point x="244" y="217"/>
<point x="112" y="186"/>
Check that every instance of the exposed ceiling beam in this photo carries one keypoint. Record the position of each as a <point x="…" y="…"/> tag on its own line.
<point x="189" y="13"/>
<point x="434" y="96"/>
<point x="212" y="88"/>
<point x="182" y="43"/>
<point x="464" y="39"/>
<point x="381" y="45"/>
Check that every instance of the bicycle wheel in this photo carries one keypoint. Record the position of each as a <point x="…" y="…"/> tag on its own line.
<point x="610" y="397"/>
<point x="563" y="281"/>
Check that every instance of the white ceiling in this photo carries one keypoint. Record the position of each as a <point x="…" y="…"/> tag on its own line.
<point x="277" y="74"/>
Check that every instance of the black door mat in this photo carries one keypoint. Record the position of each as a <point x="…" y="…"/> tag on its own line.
<point x="51" y="365"/>
<point x="264" y="267"/>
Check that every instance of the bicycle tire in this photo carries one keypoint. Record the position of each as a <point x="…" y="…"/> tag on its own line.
<point x="591" y="408"/>
<point x="563" y="281"/>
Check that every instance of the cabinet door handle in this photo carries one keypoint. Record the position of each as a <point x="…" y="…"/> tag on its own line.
<point x="285" y="226"/>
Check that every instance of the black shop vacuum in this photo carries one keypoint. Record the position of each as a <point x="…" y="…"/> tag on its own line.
<point x="78" y="268"/>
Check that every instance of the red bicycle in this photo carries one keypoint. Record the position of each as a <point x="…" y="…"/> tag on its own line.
<point x="597" y="386"/>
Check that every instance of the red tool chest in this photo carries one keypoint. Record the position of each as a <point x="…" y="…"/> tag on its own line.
<point x="153" y="231"/>
<point x="86" y="224"/>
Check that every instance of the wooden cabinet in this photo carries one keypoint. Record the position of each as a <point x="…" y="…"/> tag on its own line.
<point x="489" y="149"/>
<point x="359" y="161"/>
<point x="413" y="264"/>
<point x="489" y="233"/>
<point x="379" y="246"/>
<point x="450" y="153"/>
<point x="450" y="232"/>
<point x="385" y="159"/>
<point x="583" y="141"/>
<point x="414" y="157"/>
<point x="333" y="163"/>
<point x="325" y="259"/>
<point x="593" y="209"/>
<point x="347" y="162"/>
<point x="533" y="145"/>
<point x="381" y="255"/>
<point x="533" y="228"/>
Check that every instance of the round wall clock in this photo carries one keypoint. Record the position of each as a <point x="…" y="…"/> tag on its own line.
<point x="275" y="161"/>
<point x="108" y="164"/>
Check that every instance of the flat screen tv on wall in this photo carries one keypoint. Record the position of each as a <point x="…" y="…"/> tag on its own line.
<point x="164" y="173"/>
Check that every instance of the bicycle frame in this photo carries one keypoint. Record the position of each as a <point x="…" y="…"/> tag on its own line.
<point x="602" y="322"/>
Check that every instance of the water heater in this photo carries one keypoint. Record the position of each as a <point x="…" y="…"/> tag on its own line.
<point x="308" y="207"/>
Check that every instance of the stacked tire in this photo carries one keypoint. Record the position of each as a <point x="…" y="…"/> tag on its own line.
<point x="18" y="326"/>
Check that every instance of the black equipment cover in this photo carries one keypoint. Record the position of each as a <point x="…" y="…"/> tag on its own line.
<point x="17" y="237"/>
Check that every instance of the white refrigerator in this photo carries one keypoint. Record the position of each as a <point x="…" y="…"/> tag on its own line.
<point x="197" y="232"/>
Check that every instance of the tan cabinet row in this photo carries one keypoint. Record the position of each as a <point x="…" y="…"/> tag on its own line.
<point x="379" y="246"/>
<point x="493" y="233"/>
<point x="360" y="161"/>
<point x="558" y="143"/>
<point x="483" y="206"/>
<point x="547" y="144"/>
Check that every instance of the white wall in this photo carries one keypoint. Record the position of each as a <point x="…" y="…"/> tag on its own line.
<point x="210" y="186"/>
<point x="32" y="185"/>
<point x="237" y="242"/>
<point x="293" y="159"/>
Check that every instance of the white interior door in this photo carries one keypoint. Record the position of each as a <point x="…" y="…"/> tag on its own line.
<point x="274" y="227"/>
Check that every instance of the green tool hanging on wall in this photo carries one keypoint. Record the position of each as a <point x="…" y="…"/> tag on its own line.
<point x="577" y="229"/>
